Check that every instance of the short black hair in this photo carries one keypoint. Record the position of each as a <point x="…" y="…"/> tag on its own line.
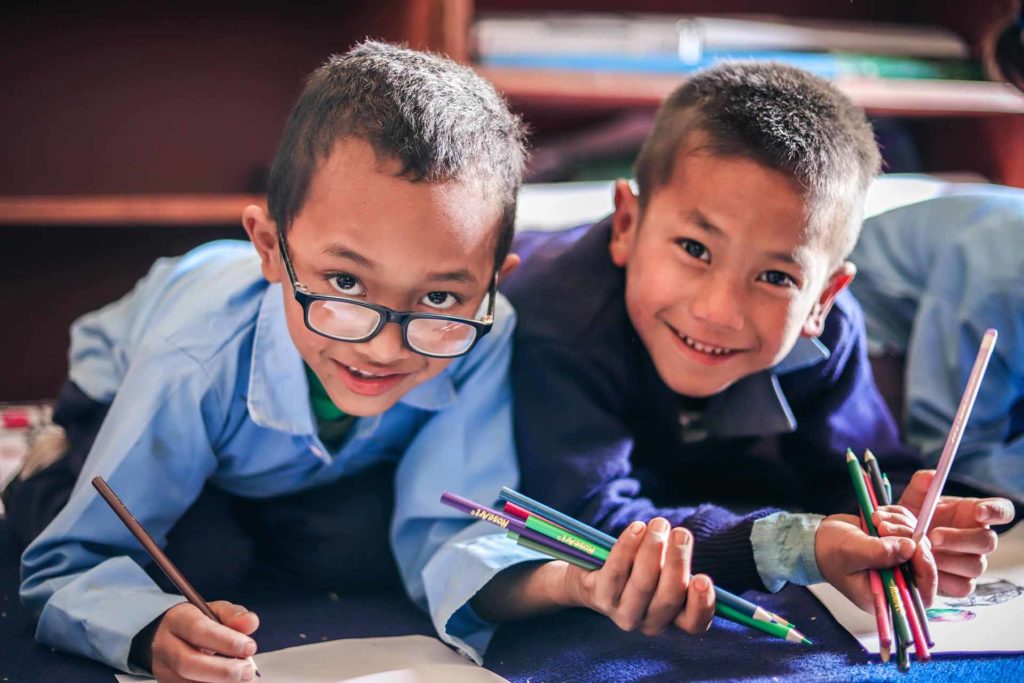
<point x="439" y="120"/>
<point x="783" y="118"/>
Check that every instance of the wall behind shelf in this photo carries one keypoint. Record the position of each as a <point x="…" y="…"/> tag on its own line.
<point x="191" y="97"/>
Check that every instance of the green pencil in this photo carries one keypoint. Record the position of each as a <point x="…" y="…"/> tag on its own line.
<point x="899" y="614"/>
<point x="545" y="527"/>
<point x="778" y="630"/>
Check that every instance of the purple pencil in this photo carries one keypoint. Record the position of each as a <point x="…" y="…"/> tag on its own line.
<point x="509" y="523"/>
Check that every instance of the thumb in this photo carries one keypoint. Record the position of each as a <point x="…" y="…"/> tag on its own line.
<point x="235" y="616"/>
<point x="869" y="552"/>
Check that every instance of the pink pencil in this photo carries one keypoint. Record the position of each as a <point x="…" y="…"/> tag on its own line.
<point x="956" y="432"/>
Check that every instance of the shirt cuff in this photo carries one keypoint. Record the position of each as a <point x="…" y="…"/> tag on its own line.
<point x="456" y="573"/>
<point x="98" y="613"/>
<point x="783" y="545"/>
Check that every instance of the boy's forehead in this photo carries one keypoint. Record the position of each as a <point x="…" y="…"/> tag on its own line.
<point x="360" y="201"/>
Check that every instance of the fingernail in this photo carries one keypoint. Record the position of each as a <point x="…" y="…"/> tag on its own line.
<point x="659" y="526"/>
<point x="984" y="513"/>
<point x="906" y="546"/>
<point x="249" y="673"/>
<point x="701" y="583"/>
<point x="680" y="538"/>
<point x="636" y="528"/>
<point x="937" y="538"/>
<point x="249" y="649"/>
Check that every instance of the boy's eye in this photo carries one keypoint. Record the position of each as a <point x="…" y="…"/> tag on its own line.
<point x="695" y="249"/>
<point x="440" y="300"/>
<point x="347" y="285"/>
<point x="778" y="279"/>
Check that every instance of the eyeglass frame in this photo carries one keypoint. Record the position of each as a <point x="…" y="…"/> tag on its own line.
<point x="386" y="315"/>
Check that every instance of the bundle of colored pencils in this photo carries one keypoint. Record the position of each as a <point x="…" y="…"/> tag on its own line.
<point x="535" y="525"/>
<point x="899" y="609"/>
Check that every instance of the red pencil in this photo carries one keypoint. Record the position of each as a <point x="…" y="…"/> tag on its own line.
<point x="921" y="650"/>
<point x="881" y="609"/>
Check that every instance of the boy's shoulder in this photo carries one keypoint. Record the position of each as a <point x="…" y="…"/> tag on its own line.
<point x="567" y="290"/>
<point x="192" y="303"/>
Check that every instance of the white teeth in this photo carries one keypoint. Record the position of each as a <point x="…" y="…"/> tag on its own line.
<point x="704" y="348"/>
<point x="360" y="373"/>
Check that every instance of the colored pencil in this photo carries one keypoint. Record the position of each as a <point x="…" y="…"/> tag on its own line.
<point x="778" y="630"/>
<point x="902" y="626"/>
<point x="575" y="526"/>
<point x="158" y="555"/>
<point x="913" y="617"/>
<point x="883" y="621"/>
<point x="509" y="523"/>
<point x="553" y="552"/>
<point x="956" y="432"/>
<point x="542" y="526"/>
<point x="721" y="595"/>
<point x="882" y="488"/>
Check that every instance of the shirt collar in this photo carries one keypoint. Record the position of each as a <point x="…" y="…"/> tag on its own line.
<point x="279" y="391"/>
<point x="756" y="405"/>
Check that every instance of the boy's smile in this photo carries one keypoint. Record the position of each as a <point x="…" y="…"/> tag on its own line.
<point x="721" y="276"/>
<point x="365" y="233"/>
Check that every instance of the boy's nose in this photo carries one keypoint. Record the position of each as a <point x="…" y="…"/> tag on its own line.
<point x="387" y="347"/>
<point x="719" y="303"/>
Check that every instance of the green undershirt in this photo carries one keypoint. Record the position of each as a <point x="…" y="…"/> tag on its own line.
<point x="332" y="425"/>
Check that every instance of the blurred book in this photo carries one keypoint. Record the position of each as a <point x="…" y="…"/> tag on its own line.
<point x="690" y="38"/>
<point x="829" y="65"/>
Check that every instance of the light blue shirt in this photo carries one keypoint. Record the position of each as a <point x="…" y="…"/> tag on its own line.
<point x="207" y="386"/>
<point x="931" y="278"/>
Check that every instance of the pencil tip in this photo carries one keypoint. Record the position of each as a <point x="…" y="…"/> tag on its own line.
<point x="885" y="656"/>
<point x="849" y="455"/>
<point x="868" y="455"/>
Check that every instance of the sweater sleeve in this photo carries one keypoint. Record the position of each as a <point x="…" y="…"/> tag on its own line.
<point x="575" y="452"/>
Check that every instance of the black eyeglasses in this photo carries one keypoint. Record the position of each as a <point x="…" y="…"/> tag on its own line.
<point x="350" y="320"/>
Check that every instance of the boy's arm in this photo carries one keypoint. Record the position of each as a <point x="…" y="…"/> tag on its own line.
<point x="575" y="453"/>
<point x="466" y="447"/>
<point x="82" y="575"/>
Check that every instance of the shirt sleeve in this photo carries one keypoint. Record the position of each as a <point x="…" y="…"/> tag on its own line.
<point x="784" y="549"/>
<point x="575" y="453"/>
<point x="83" y="575"/>
<point x="974" y="285"/>
<point x="466" y="448"/>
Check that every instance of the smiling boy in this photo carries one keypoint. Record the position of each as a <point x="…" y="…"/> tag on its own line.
<point x="698" y="346"/>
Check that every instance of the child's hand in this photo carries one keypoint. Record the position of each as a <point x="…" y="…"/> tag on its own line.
<point x="645" y="584"/>
<point x="959" y="533"/>
<point x="186" y="644"/>
<point x="844" y="553"/>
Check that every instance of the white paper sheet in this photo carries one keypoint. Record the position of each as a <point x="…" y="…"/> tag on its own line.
<point x="990" y="620"/>
<point x="405" y="659"/>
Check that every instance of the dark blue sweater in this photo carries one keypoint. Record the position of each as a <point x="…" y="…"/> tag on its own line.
<point x="602" y="438"/>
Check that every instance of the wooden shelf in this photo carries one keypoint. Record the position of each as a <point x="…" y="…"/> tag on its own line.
<point x="126" y="210"/>
<point x="544" y="89"/>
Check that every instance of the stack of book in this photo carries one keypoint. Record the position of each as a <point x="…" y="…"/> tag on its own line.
<point x="661" y="43"/>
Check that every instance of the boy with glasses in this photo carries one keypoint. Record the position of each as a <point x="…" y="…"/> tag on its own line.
<point x="324" y="390"/>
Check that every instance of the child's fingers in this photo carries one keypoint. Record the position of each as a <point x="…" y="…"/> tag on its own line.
<point x="700" y="606"/>
<point x="611" y="578"/>
<point x="643" y="580"/>
<point x="977" y="540"/>
<point x="178" y="660"/>
<point x="235" y="616"/>
<point x="955" y="586"/>
<point x="959" y="564"/>
<point x="895" y="529"/>
<point x="198" y="630"/>
<point x="670" y="596"/>
<point x="895" y="514"/>
<point x="867" y="552"/>
<point x="925" y="571"/>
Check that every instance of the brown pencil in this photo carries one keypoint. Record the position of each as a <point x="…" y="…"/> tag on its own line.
<point x="158" y="555"/>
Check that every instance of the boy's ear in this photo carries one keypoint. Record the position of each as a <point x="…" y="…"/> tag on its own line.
<point x="262" y="232"/>
<point x="512" y="262"/>
<point x="625" y="222"/>
<point x="837" y="282"/>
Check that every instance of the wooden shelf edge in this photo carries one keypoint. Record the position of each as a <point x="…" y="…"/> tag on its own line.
<point x="126" y="210"/>
<point x="905" y="97"/>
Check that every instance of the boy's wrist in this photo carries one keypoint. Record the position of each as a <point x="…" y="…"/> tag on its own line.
<point x="141" y="652"/>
